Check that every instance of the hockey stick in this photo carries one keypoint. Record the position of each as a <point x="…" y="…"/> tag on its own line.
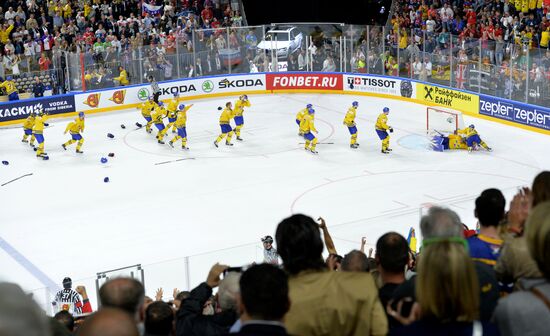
<point x="15" y="179"/>
<point x="159" y="163"/>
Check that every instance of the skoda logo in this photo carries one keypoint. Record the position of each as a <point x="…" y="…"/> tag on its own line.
<point x="143" y="94"/>
<point x="207" y="86"/>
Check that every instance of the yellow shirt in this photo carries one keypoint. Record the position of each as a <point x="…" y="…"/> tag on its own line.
<point x="173" y="105"/>
<point x="307" y="124"/>
<point x="146" y="108"/>
<point x="545" y="38"/>
<point x="239" y="107"/>
<point x="301" y="114"/>
<point x="226" y="115"/>
<point x="67" y="11"/>
<point x="5" y="33"/>
<point x="123" y="78"/>
<point x="159" y="114"/>
<point x="9" y="86"/>
<point x="29" y="122"/>
<point x="182" y="117"/>
<point x="39" y="121"/>
<point x="349" y="120"/>
<point x="75" y="126"/>
<point x="382" y="122"/>
<point x="468" y="132"/>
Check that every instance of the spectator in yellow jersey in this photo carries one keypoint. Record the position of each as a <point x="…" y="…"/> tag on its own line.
<point x="227" y="132"/>
<point x="11" y="89"/>
<point x="122" y="77"/>
<point x="76" y="127"/>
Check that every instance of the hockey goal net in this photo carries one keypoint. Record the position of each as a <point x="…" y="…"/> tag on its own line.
<point x="443" y="120"/>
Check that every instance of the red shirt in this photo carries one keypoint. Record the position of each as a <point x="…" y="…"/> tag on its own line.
<point x="471" y="16"/>
<point x="44" y="64"/>
<point x="207" y="14"/>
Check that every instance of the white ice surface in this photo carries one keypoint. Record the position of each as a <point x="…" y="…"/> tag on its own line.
<point x="215" y="206"/>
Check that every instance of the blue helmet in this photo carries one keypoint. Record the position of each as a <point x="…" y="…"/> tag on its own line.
<point x="181" y="106"/>
<point x="309" y="106"/>
<point x="355" y="104"/>
<point x="8" y="78"/>
<point x="176" y="94"/>
<point x="386" y="109"/>
<point x="161" y="104"/>
<point x="311" y="111"/>
<point x="81" y="114"/>
<point x="472" y="126"/>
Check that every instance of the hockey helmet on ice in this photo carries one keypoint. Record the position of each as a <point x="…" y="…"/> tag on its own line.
<point x="81" y="115"/>
<point x="311" y="111"/>
<point x="309" y="106"/>
<point x="176" y="94"/>
<point x="386" y="110"/>
<point x="181" y="106"/>
<point x="267" y="239"/>
<point x="472" y="126"/>
<point x="160" y="104"/>
<point x="355" y="104"/>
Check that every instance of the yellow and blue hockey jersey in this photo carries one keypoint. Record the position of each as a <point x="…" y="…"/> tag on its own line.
<point x="349" y="119"/>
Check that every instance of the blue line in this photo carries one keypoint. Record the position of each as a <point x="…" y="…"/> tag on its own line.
<point x="28" y="265"/>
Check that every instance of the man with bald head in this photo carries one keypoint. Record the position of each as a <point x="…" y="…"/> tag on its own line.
<point x="126" y="294"/>
<point x="109" y="322"/>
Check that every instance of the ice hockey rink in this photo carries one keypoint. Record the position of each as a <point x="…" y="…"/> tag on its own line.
<point x="163" y="204"/>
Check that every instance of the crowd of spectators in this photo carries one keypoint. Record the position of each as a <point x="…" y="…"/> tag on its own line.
<point x="496" y="46"/>
<point x="493" y="282"/>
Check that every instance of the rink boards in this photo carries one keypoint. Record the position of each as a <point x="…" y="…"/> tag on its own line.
<point x="529" y="117"/>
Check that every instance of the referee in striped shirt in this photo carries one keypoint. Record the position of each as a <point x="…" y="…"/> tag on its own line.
<point x="155" y="88"/>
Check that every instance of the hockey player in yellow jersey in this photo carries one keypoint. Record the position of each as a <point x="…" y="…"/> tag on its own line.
<point x="172" y="109"/>
<point x="349" y="121"/>
<point x="146" y="109"/>
<point x="180" y="125"/>
<point x="11" y="89"/>
<point x="27" y="128"/>
<point x="472" y="138"/>
<point x="158" y="115"/>
<point x="38" y="132"/>
<point x="75" y="127"/>
<point x="307" y="128"/>
<point x="225" y="118"/>
<point x="382" y="129"/>
<point x="300" y="115"/>
<point x="238" y="111"/>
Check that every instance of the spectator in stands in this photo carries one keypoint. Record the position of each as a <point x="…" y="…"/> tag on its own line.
<point x="159" y="319"/>
<point x="179" y="298"/>
<point x="190" y="319"/>
<point x="447" y="292"/>
<point x="122" y="78"/>
<point x="19" y="314"/>
<point x="392" y="256"/>
<point x="312" y="288"/>
<point x="38" y="88"/>
<point x="328" y="64"/>
<point x="445" y="223"/>
<point x="515" y="264"/>
<point x="489" y="210"/>
<point x="355" y="261"/>
<point x="66" y="319"/>
<point x="263" y="301"/>
<point x="44" y="62"/>
<point x="526" y="312"/>
<point x="126" y="294"/>
<point x="109" y="322"/>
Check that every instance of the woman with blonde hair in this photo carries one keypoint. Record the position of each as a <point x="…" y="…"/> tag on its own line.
<point x="447" y="292"/>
